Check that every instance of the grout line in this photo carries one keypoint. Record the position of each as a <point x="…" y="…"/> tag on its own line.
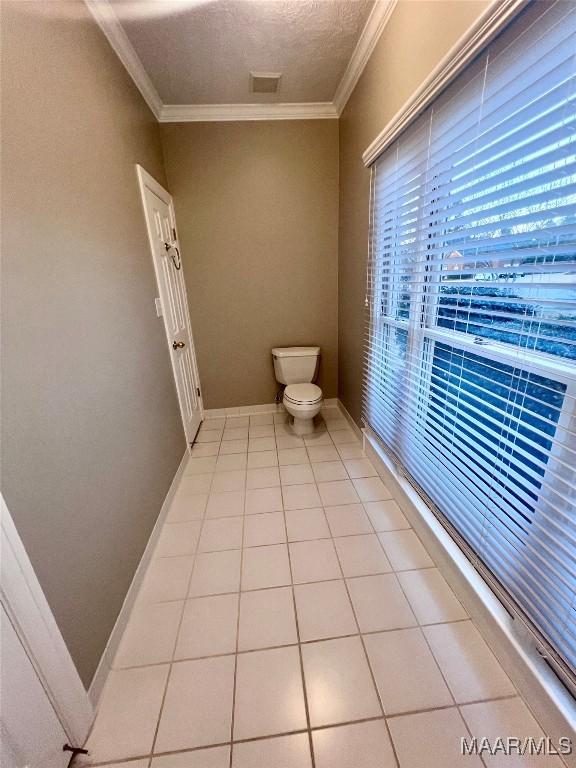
<point x="301" y="660"/>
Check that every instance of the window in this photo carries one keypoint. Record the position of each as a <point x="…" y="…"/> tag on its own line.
<point x="470" y="379"/>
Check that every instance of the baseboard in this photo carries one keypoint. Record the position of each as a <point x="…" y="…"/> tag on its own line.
<point x="549" y="700"/>
<point x="253" y="410"/>
<point x="105" y="665"/>
<point x="353" y="426"/>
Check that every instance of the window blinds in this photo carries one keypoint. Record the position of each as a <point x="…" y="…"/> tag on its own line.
<point x="470" y="369"/>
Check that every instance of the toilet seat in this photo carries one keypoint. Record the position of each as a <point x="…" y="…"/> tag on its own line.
<point x="303" y="394"/>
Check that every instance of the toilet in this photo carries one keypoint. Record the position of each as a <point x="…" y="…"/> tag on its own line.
<point x="296" y="367"/>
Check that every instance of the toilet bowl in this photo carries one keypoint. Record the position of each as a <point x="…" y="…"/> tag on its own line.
<point x="303" y="402"/>
<point x="296" y="367"/>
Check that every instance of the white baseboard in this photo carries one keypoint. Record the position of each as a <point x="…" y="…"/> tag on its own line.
<point x="549" y="700"/>
<point x="353" y="426"/>
<point x="107" y="658"/>
<point x="253" y="410"/>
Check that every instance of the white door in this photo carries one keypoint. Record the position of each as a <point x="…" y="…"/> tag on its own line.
<point x="162" y="233"/>
<point x="31" y="734"/>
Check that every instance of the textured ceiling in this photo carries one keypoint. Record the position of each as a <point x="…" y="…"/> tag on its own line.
<point x="202" y="51"/>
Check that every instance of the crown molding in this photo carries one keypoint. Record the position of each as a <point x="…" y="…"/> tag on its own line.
<point x="496" y="16"/>
<point x="190" y="113"/>
<point x="379" y="17"/>
<point x="107" y="20"/>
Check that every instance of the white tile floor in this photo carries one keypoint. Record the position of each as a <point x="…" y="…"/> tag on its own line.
<point x="291" y="618"/>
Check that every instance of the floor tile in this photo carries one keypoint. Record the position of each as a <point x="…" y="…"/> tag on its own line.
<point x="210" y="436"/>
<point x="260" y="419"/>
<point x="326" y="471"/>
<point x="205" y="449"/>
<point x="228" y="462"/>
<point x="508" y="717"/>
<point x="361" y="555"/>
<point x="296" y="474"/>
<point x="150" y="635"/>
<point x="379" y="603"/>
<point x="324" y="610"/>
<point x="237" y="421"/>
<point x="348" y="520"/>
<point x="279" y="752"/>
<point x="178" y="539"/>
<point x="166" y="578"/>
<point x="269" y="693"/>
<point x="314" y="561"/>
<point x="266" y="567"/>
<point x="318" y="453"/>
<point x="266" y="619"/>
<point x="208" y="627"/>
<point x="361" y="745"/>
<point x="284" y="429"/>
<point x="200" y="466"/>
<point x="405" y="550"/>
<point x="190" y="484"/>
<point x="261" y="444"/>
<point x="128" y="713"/>
<point x="186" y="508"/>
<point x="233" y="446"/>
<point x="438" y="742"/>
<point x="262" y="430"/>
<point x="229" y="481"/>
<point x="386" y="515"/>
<point x="221" y="533"/>
<point x="337" y="492"/>
<point x="306" y="524"/>
<point x="218" y="423"/>
<point x="360" y="468"/>
<point x="287" y="456"/>
<point x="318" y="438"/>
<point x="264" y="477"/>
<point x="258" y="459"/>
<point x="215" y="573"/>
<point x="235" y="433"/>
<point x="263" y="500"/>
<point x="213" y="757"/>
<point x="281" y="417"/>
<point x="198" y="705"/>
<point x="289" y="441"/>
<point x="301" y="496"/>
<point x="431" y="598"/>
<point x="343" y="436"/>
<point x="225" y="504"/>
<point x="350" y="451"/>
<point x="335" y="425"/>
<point x="406" y="673"/>
<point x="469" y="666"/>
<point x="338" y="682"/>
<point x="267" y="528"/>
<point x="129" y="764"/>
<point x="371" y="489"/>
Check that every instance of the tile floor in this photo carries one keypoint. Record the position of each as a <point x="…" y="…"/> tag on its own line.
<point x="291" y="618"/>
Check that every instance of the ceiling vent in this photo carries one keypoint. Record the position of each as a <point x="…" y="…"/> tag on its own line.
<point x="265" y="82"/>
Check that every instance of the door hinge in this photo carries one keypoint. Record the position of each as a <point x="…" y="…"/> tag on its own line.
<point x="198" y="391"/>
<point x="174" y="236"/>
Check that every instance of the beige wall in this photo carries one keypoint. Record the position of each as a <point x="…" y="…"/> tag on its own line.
<point x="416" y="38"/>
<point x="257" y="209"/>
<point x="90" y="423"/>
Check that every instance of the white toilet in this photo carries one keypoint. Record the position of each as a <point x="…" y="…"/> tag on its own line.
<point x="297" y="368"/>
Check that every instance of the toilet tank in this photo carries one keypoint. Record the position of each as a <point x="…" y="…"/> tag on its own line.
<point x="295" y="365"/>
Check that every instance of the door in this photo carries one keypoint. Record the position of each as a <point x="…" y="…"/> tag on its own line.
<point x="162" y="234"/>
<point x="44" y="704"/>
<point x="31" y="734"/>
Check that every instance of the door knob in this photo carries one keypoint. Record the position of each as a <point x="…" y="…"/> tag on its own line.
<point x="178" y="345"/>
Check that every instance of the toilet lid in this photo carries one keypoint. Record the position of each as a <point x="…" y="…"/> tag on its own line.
<point x="303" y="393"/>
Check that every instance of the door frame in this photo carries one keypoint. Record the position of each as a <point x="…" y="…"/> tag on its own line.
<point x="145" y="180"/>
<point x="27" y="608"/>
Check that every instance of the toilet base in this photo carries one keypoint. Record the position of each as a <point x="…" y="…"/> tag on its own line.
<point x="302" y="426"/>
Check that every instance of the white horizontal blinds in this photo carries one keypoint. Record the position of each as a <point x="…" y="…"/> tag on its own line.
<point x="470" y="377"/>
